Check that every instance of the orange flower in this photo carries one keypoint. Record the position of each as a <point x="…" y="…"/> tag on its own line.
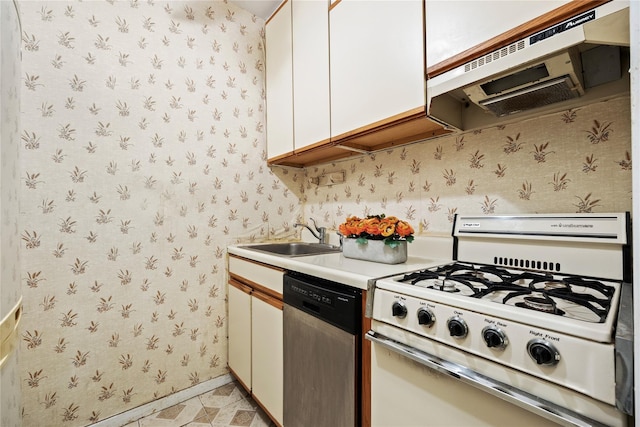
<point x="404" y="229"/>
<point x="344" y="229"/>
<point x="349" y="227"/>
<point x="360" y="226"/>
<point x="389" y="228"/>
<point x="386" y="228"/>
<point x="372" y="225"/>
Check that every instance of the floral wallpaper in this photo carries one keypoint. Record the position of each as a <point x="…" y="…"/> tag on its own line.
<point x="577" y="160"/>
<point x="9" y="205"/>
<point x="143" y="157"/>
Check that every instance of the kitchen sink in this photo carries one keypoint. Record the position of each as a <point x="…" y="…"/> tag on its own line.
<point x="293" y="249"/>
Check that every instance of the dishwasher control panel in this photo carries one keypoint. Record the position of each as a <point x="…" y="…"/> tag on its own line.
<point x="335" y="303"/>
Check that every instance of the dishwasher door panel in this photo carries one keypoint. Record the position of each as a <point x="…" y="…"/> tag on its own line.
<point x="320" y="372"/>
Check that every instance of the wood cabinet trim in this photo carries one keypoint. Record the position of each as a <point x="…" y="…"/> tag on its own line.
<point x="272" y="267"/>
<point x="404" y="128"/>
<point x="275" y="12"/>
<point x="269" y="299"/>
<point x="240" y="286"/>
<point x="531" y="27"/>
<point x="313" y="146"/>
<point x="244" y="386"/>
<point x="256" y="287"/>
<point x="365" y="386"/>
<point x="320" y="154"/>
<point x="400" y="118"/>
<point x="273" y="419"/>
<point x="280" y="157"/>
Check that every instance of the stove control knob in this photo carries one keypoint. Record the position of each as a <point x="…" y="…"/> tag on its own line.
<point x="426" y="317"/>
<point x="494" y="337"/>
<point x="543" y="352"/>
<point x="399" y="310"/>
<point x="457" y="327"/>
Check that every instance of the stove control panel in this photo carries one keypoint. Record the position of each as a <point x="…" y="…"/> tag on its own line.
<point x="528" y="348"/>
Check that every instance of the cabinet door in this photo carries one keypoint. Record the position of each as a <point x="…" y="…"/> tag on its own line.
<point x="240" y="332"/>
<point x="310" y="72"/>
<point x="279" y="83"/>
<point x="452" y="30"/>
<point x="267" y="354"/>
<point x="376" y="61"/>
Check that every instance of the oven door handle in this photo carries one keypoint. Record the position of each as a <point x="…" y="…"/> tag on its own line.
<point x="496" y="388"/>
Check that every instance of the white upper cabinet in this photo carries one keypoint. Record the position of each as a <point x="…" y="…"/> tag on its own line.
<point x="279" y="76"/>
<point x="455" y="28"/>
<point x="310" y="26"/>
<point x="345" y="78"/>
<point x="376" y="61"/>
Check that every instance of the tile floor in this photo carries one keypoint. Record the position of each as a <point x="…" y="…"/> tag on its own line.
<point x="228" y="405"/>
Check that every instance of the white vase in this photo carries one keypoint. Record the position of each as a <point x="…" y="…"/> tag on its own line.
<point x="375" y="251"/>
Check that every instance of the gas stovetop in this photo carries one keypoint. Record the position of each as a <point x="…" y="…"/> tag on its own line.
<point x="571" y="297"/>
<point x="579" y="307"/>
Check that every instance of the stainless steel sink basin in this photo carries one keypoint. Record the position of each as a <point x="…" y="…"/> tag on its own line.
<point x="293" y="249"/>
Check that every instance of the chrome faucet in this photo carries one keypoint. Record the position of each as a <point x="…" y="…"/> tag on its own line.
<point x="321" y="234"/>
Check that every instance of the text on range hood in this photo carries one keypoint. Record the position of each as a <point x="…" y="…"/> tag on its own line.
<point x="574" y="62"/>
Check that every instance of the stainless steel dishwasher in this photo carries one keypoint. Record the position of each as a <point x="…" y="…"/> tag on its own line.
<point x="322" y="332"/>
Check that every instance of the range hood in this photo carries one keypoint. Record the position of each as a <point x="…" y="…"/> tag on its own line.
<point x="572" y="63"/>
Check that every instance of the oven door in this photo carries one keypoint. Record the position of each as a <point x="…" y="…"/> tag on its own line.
<point x="412" y="388"/>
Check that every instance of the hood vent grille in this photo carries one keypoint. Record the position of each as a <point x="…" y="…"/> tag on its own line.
<point x="494" y="56"/>
<point x="546" y="93"/>
<point x="569" y="63"/>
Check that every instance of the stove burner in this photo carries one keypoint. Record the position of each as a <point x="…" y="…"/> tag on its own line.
<point x="445" y="285"/>
<point x="545" y="305"/>
<point x="555" y="285"/>
<point x="477" y="274"/>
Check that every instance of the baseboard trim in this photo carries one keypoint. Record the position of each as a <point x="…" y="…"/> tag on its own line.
<point x="147" y="409"/>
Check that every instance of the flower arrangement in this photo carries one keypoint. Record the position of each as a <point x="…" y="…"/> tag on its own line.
<point x="377" y="227"/>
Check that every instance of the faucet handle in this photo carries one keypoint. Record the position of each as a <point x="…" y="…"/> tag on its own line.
<point x="322" y="232"/>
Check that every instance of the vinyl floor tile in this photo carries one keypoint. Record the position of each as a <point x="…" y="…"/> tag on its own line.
<point x="227" y="406"/>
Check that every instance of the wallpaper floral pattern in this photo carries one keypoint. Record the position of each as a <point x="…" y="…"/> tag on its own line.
<point x="577" y="160"/>
<point x="143" y="157"/>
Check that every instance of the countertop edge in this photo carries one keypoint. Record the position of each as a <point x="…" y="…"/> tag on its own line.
<point x="336" y="267"/>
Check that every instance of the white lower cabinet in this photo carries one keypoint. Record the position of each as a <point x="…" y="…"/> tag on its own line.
<point x="255" y="332"/>
<point x="240" y="333"/>
<point x="266" y="348"/>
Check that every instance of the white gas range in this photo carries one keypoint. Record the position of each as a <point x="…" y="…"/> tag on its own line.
<point x="533" y="311"/>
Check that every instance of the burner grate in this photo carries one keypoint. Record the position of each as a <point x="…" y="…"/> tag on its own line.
<point x="540" y="290"/>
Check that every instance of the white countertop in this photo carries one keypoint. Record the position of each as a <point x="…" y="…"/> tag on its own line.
<point x="433" y="251"/>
